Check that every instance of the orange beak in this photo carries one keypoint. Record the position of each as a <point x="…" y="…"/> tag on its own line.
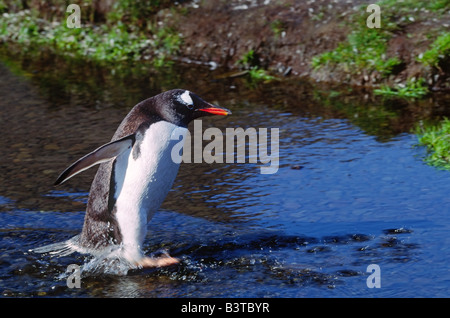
<point x="216" y="111"/>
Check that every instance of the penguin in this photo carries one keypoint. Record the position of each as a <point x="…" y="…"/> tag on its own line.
<point x="135" y="175"/>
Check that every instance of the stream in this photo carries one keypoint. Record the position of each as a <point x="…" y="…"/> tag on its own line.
<point x="351" y="189"/>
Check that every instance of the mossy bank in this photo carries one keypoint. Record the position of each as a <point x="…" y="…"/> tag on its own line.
<point x="323" y="40"/>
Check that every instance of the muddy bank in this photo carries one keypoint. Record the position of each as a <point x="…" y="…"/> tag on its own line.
<point x="284" y="34"/>
<point x="282" y="37"/>
<point x="287" y="35"/>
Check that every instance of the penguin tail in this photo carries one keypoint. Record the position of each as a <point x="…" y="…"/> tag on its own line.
<point x="60" y="249"/>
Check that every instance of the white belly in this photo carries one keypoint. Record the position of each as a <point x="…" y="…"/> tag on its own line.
<point x="147" y="180"/>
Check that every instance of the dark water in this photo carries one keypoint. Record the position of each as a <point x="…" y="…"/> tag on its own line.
<point x="351" y="190"/>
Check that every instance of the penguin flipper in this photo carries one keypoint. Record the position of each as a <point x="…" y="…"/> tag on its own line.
<point x="99" y="155"/>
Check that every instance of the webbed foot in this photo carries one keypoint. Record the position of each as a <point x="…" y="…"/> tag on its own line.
<point x="165" y="260"/>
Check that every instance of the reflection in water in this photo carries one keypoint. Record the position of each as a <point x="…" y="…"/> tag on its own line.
<point x="345" y="196"/>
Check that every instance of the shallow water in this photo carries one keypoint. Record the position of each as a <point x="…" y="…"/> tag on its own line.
<point x="351" y="190"/>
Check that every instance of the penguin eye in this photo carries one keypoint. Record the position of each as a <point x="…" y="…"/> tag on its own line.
<point x="186" y="99"/>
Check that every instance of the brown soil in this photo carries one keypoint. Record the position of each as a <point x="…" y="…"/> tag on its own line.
<point x="284" y="34"/>
<point x="287" y="34"/>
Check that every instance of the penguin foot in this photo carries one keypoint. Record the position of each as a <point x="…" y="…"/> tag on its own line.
<point x="162" y="261"/>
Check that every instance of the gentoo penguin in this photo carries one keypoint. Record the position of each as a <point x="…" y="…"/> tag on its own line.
<point x="135" y="174"/>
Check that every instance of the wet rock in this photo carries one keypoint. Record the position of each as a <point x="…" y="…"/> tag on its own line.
<point x="397" y="231"/>
<point x="347" y="273"/>
<point x="390" y="242"/>
<point x="347" y="238"/>
<point x="8" y="293"/>
<point x="319" y="249"/>
<point x="361" y="237"/>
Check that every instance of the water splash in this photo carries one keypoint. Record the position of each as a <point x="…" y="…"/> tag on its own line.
<point x="106" y="261"/>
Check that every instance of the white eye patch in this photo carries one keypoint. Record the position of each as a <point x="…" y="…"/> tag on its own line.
<point x="186" y="98"/>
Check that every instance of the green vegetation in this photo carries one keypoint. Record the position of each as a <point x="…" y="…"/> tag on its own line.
<point x="110" y="42"/>
<point x="439" y="51"/>
<point x="3" y="6"/>
<point x="277" y="27"/>
<point x="260" y="74"/>
<point x="250" y="62"/>
<point x="365" y="49"/>
<point x="135" y="13"/>
<point x="412" y="89"/>
<point x="439" y="4"/>
<point x="437" y="140"/>
<point x="131" y="31"/>
<point x="410" y="7"/>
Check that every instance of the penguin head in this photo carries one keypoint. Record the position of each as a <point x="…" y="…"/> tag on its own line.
<point x="182" y="106"/>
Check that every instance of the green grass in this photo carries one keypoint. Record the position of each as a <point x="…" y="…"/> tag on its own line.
<point x="439" y="51"/>
<point x="111" y="42"/>
<point x="258" y="74"/>
<point x="96" y="44"/>
<point x="136" y="13"/>
<point x="250" y="62"/>
<point x="438" y="4"/>
<point x="436" y="138"/>
<point x="396" y="7"/>
<point x="412" y="89"/>
<point x="365" y="49"/>
<point x="277" y="27"/>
